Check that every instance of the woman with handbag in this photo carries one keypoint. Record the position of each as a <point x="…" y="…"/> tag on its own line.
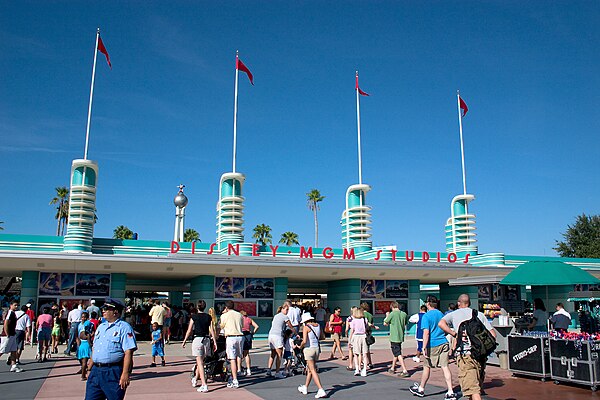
<point x="358" y="336"/>
<point x="311" y="335"/>
<point x="334" y="326"/>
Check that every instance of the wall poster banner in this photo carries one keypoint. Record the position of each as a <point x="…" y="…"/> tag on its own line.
<point x="396" y="289"/>
<point x="382" y="306"/>
<point x="57" y="284"/>
<point x="229" y="288"/>
<point x="97" y="285"/>
<point x="248" y="306"/>
<point x="260" y="288"/>
<point x="265" y="308"/>
<point x="484" y="292"/>
<point x="372" y="289"/>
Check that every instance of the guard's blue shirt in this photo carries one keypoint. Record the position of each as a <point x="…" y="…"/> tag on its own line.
<point x="112" y="340"/>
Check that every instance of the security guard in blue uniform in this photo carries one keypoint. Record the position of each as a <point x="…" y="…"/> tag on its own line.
<point x="112" y="355"/>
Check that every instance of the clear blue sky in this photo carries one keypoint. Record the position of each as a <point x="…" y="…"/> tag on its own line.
<point x="164" y="114"/>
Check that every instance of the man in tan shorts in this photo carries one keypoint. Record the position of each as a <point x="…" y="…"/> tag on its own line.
<point x="435" y="349"/>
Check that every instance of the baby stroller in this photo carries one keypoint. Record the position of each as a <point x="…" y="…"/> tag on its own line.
<point x="299" y="363"/>
<point x="216" y="365"/>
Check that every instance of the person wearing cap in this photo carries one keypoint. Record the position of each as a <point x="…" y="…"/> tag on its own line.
<point x="311" y="334"/>
<point x="112" y="355"/>
<point x="93" y="308"/>
<point x="31" y="315"/>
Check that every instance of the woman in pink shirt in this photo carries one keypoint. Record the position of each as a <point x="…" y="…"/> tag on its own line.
<point x="358" y="336"/>
<point x="44" y="331"/>
<point x="248" y="330"/>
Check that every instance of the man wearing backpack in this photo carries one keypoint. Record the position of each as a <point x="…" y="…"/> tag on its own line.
<point x="471" y="364"/>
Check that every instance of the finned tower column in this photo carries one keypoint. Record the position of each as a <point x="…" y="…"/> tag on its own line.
<point x="356" y="219"/>
<point x="230" y="210"/>
<point x="460" y="227"/>
<point x="180" y="202"/>
<point x="82" y="207"/>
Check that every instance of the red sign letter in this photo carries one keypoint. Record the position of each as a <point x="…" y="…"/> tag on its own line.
<point x="466" y="259"/>
<point x="174" y="247"/>
<point x="439" y="259"/>
<point x="255" y="248"/>
<point x="452" y="257"/>
<point x="194" y="247"/>
<point x="327" y="252"/>
<point x="274" y="250"/>
<point x="212" y="248"/>
<point x="394" y="254"/>
<point x="306" y="253"/>
<point x="425" y="256"/>
<point x="349" y="255"/>
<point x="412" y="255"/>
<point x="378" y="255"/>
<point x="235" y="250"/>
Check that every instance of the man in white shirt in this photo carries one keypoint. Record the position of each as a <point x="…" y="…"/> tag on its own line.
<point x="294" y="315"/>
<point x="320" y="314"/>
<point x="23" y="330"/>
<point x="73" y="319"/>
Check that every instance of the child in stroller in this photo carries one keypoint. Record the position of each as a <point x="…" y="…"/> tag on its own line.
<point x="216" y="365"/>
<point x="293" y="355"/>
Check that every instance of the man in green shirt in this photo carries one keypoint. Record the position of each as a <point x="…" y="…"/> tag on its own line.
<point x="397" y="321"/>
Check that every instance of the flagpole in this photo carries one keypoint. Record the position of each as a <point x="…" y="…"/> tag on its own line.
<point x="235" y="108"/>
<point x="358" y="125"/>
<point x="87" y="131"/>
<point x="462" y="147"/>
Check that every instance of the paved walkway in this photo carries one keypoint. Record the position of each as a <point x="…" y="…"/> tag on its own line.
<point x="57" y="380"/>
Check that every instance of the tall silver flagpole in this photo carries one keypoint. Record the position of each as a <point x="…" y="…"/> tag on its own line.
<point x="462" y="147"/>
<point x="235" y="108"/>
<point x="358" y="124"/>
<point x="87" y="131"/>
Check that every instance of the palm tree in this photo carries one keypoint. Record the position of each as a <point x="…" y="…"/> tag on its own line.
<point x="122" y="232"/>
<point x="62" y="210"/>
<point x="313" y="199"/>
<point x="262" y="234"/>
<point x="191" y="235"/>
<point x="289" y="238"/>
<point x="1" y="228"/>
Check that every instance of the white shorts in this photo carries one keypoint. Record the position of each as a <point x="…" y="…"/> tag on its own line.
<point x="275" y="342"/>
<point x="234" y="347"/>
<point x="201" y="347"/>
<point x="8" y="344"/>
<point x="359" y="344"/>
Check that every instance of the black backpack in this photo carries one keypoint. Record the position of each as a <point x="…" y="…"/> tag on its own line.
<point x="482" y="341"/>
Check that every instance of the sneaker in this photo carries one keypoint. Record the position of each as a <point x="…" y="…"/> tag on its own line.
<point x="302" y="389"/>
<point x="321" y="393"/>
<point x="279" y="375"/>
<point x="202" y="389"/>
<point x="416" y="359"/>
<point x="234" y="384"/>
<point x="414" y="389"/>
<point x="363" y="372"/>
<point x="450" y="396"/>
<point x="152" y="365"/>
<point x="404" y="374"/>
<point x="248" y="373"/>
<point x="194" y="381"/>
<point x="269" y="373"/>
<point x="163" y="363"/>
<point x="356" y="373"/>
<point x="14" y="368"/>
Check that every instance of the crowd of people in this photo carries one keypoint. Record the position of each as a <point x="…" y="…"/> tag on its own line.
<point x="104" y="341"/>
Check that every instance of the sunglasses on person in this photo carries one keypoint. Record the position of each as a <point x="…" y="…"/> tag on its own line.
<point x="109" y="307"/>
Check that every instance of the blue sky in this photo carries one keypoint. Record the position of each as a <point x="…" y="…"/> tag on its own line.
<point x="164" y="114"/>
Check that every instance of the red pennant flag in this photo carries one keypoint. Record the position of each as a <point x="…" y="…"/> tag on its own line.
<point x="359" y="90"/>
<point x="240" y="65"/>
<point x="102" y="50"/>
<point x="463" y="106"/>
